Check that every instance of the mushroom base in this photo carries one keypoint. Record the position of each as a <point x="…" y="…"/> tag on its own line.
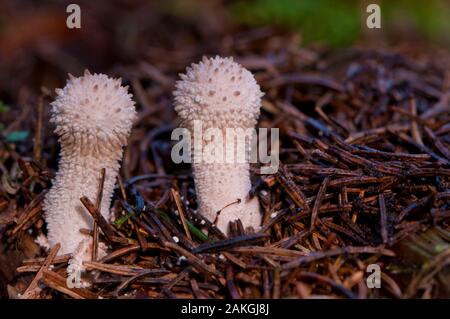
<point x="222" y="191"/>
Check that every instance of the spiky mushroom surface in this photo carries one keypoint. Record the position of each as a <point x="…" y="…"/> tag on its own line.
<point x="93" y="115"/>
<point x="222" y="95"/>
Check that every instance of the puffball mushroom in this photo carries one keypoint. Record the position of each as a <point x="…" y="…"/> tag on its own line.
<point x="222" y="95"/>
<point x="93" y="115"/>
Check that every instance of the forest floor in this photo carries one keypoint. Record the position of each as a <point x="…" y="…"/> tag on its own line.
<point x="364" y="176"/>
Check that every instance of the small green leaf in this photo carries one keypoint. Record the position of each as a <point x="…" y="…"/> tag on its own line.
<point x="194" y="230"/>
<point x="3" y="107"/>
<point x="440" y="247"/>
<point x="197" y="232"/>
<point x="121" y="220"/>
<point x="17" y="136"/>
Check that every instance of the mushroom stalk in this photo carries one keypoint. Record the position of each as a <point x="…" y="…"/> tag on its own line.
<point x="223" y="194"/>
<point x="93" y="115"/>
<point x="223" y="97"/>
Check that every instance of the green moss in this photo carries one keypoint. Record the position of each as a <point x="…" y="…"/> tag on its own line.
<point x="333" y="22"/>
<point x="339" y="23"/>
<point x="430" y="17"/>
<point x="3" y="107"/>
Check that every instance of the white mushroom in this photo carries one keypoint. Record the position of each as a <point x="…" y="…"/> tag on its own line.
<point x="93" y="115"/>
<point x="222" y="95"/>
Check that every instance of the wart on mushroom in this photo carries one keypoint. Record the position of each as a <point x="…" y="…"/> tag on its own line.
<point x="222" y="95"/>
<point x="93" y="115"/>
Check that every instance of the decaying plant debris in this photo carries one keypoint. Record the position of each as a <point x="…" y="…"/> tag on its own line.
<point x="364" y="178"/>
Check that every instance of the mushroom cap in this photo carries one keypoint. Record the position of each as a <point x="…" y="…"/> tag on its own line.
<point x="219" y="92"/>
<point x="93" y="108"/>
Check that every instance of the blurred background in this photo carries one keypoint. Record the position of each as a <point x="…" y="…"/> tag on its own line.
<point x="37" y="50"/>
<point x="33" y="33"/>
